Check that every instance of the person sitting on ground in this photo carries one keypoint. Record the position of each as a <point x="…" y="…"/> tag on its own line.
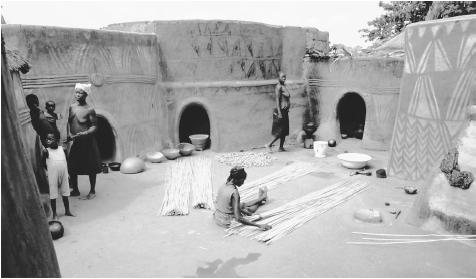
<point x="57" y="169"/>
<point x="228" y="205"/>
<point x="52" y="117"/>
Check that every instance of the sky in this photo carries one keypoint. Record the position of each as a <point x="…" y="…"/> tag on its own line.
<point x="342" y="19"/>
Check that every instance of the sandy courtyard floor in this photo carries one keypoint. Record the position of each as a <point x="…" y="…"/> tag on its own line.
<point x="120" y="234"/>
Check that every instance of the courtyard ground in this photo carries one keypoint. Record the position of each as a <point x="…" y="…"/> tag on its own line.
<point x="120" y="234"/>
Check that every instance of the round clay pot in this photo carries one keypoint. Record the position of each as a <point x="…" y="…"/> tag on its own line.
<point x="56" y="229"/>
<point x="332" y="143"/>
<point x="199" y="141"/>
<point x="186" y="149"/>
<point x="155" y="157"/>
<point x="132" y="165"/>
<point x="171" y="153"/>
<point x="115" y="166"/>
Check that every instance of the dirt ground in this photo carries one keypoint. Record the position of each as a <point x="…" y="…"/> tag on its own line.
<point x="120" y="234"/>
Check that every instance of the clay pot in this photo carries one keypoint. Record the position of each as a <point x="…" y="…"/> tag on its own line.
<point x="132" y="165"/>
<point x="171" y="153"/>
<point x="114" y="166"/>
<point x="186" y="149"/>
<point x="199" y="141"/>
<point x="332" y="143"/>
<point x="56" y="229"/>
<point x="309" y="128"/>
<point x="155" y="157"/>
<point x="105" y="168"/>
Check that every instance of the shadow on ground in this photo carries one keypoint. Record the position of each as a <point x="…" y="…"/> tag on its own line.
<point x="218" y="268"/>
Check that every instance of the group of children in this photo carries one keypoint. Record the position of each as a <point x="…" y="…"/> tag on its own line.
<point x="56" y="164"/>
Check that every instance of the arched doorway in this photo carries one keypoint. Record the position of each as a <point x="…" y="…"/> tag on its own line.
<point x="351" y="115"/>
<point x="193" y="120"/>
<point x="105" y="139"/>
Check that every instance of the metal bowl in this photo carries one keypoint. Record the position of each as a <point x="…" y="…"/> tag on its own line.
<point x="354" y="160"/>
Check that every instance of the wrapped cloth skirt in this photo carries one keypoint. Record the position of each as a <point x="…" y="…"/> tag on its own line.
<point x="84" y="157"/>
<point x="280" y="125"/>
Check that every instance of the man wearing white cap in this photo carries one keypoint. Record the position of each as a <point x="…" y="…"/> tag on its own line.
<point x="84" y="157"/>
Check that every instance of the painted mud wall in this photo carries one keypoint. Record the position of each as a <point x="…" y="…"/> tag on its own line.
<point x="376" y="80"/>
<point x="121" y="66"/>
<point x="438" y="86"/>
<point x="230" y="68"/>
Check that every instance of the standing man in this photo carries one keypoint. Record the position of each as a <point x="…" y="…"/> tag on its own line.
<point x="84" y="157"/>
<point x="280" y="128"/>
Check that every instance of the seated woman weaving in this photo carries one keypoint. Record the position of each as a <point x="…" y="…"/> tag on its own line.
<point x="228" y="204"/>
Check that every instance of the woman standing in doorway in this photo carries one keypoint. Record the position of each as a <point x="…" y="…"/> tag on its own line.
<point x="280" y="127"/>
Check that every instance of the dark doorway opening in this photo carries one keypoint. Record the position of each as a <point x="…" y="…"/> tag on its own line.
<point x="351" y="115"/>
<point x="105" y="139"/>
<point x="194" y="120"/>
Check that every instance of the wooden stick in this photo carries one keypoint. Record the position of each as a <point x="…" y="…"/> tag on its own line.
<point x="446" y="235"/>
<point x="406" y="242"/>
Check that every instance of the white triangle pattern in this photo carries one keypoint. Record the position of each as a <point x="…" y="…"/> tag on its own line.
<point x="442" y="63"/>
<point x="421" y="31"/>
<point x="424" y="103"/>
<point x="449" y="26"/>
<point x="467" y="50"/>
<point x="422" y="65"/>
<point x="454" y="128"/>
<point x="460" y="97"/>
<point x="465" y="24"/>
<point x="434" y="29"/>
<point x="409" y="59"/>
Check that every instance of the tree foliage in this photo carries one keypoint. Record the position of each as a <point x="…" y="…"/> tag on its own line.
<point x="399" y="14"/>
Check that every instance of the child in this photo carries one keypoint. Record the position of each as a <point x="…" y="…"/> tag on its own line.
<point x="51" y="116"/>
<point x="57" y="174"/>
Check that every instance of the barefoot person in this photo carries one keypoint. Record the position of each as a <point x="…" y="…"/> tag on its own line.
<point x="57" y="169"/>
<point x="280" y="127"/>
<point x="84" y="158"/>
<point x="228" y="205"/>
<point x="52" y="117"/>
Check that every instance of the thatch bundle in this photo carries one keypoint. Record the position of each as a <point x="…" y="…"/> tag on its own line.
<point x="16" y="63"/>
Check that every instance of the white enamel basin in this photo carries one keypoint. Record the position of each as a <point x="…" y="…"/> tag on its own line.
<point x="354" y="160"/>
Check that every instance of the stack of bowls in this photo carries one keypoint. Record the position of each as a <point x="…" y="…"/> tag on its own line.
<point x="199" y="140"/>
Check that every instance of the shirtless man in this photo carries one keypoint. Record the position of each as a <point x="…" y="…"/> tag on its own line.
<point x="84" y="157"/>
<point x="280" y="127"/>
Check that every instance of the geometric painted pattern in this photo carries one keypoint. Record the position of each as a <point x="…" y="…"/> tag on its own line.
<point x="438" y="85"/>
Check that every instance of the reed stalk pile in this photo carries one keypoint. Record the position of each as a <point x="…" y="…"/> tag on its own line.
<point x="290" y="216"/>
<point x="187" y="177"/>
<point x="202" y="190"/>
<point x="249" y="190"/>
<point x="178" y="183"/>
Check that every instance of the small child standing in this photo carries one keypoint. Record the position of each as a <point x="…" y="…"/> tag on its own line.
<point x="57" y="174"/>
<point x="52" y="117"/>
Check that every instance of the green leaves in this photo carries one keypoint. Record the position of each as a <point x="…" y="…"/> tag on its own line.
<point x="399" y="14"/>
